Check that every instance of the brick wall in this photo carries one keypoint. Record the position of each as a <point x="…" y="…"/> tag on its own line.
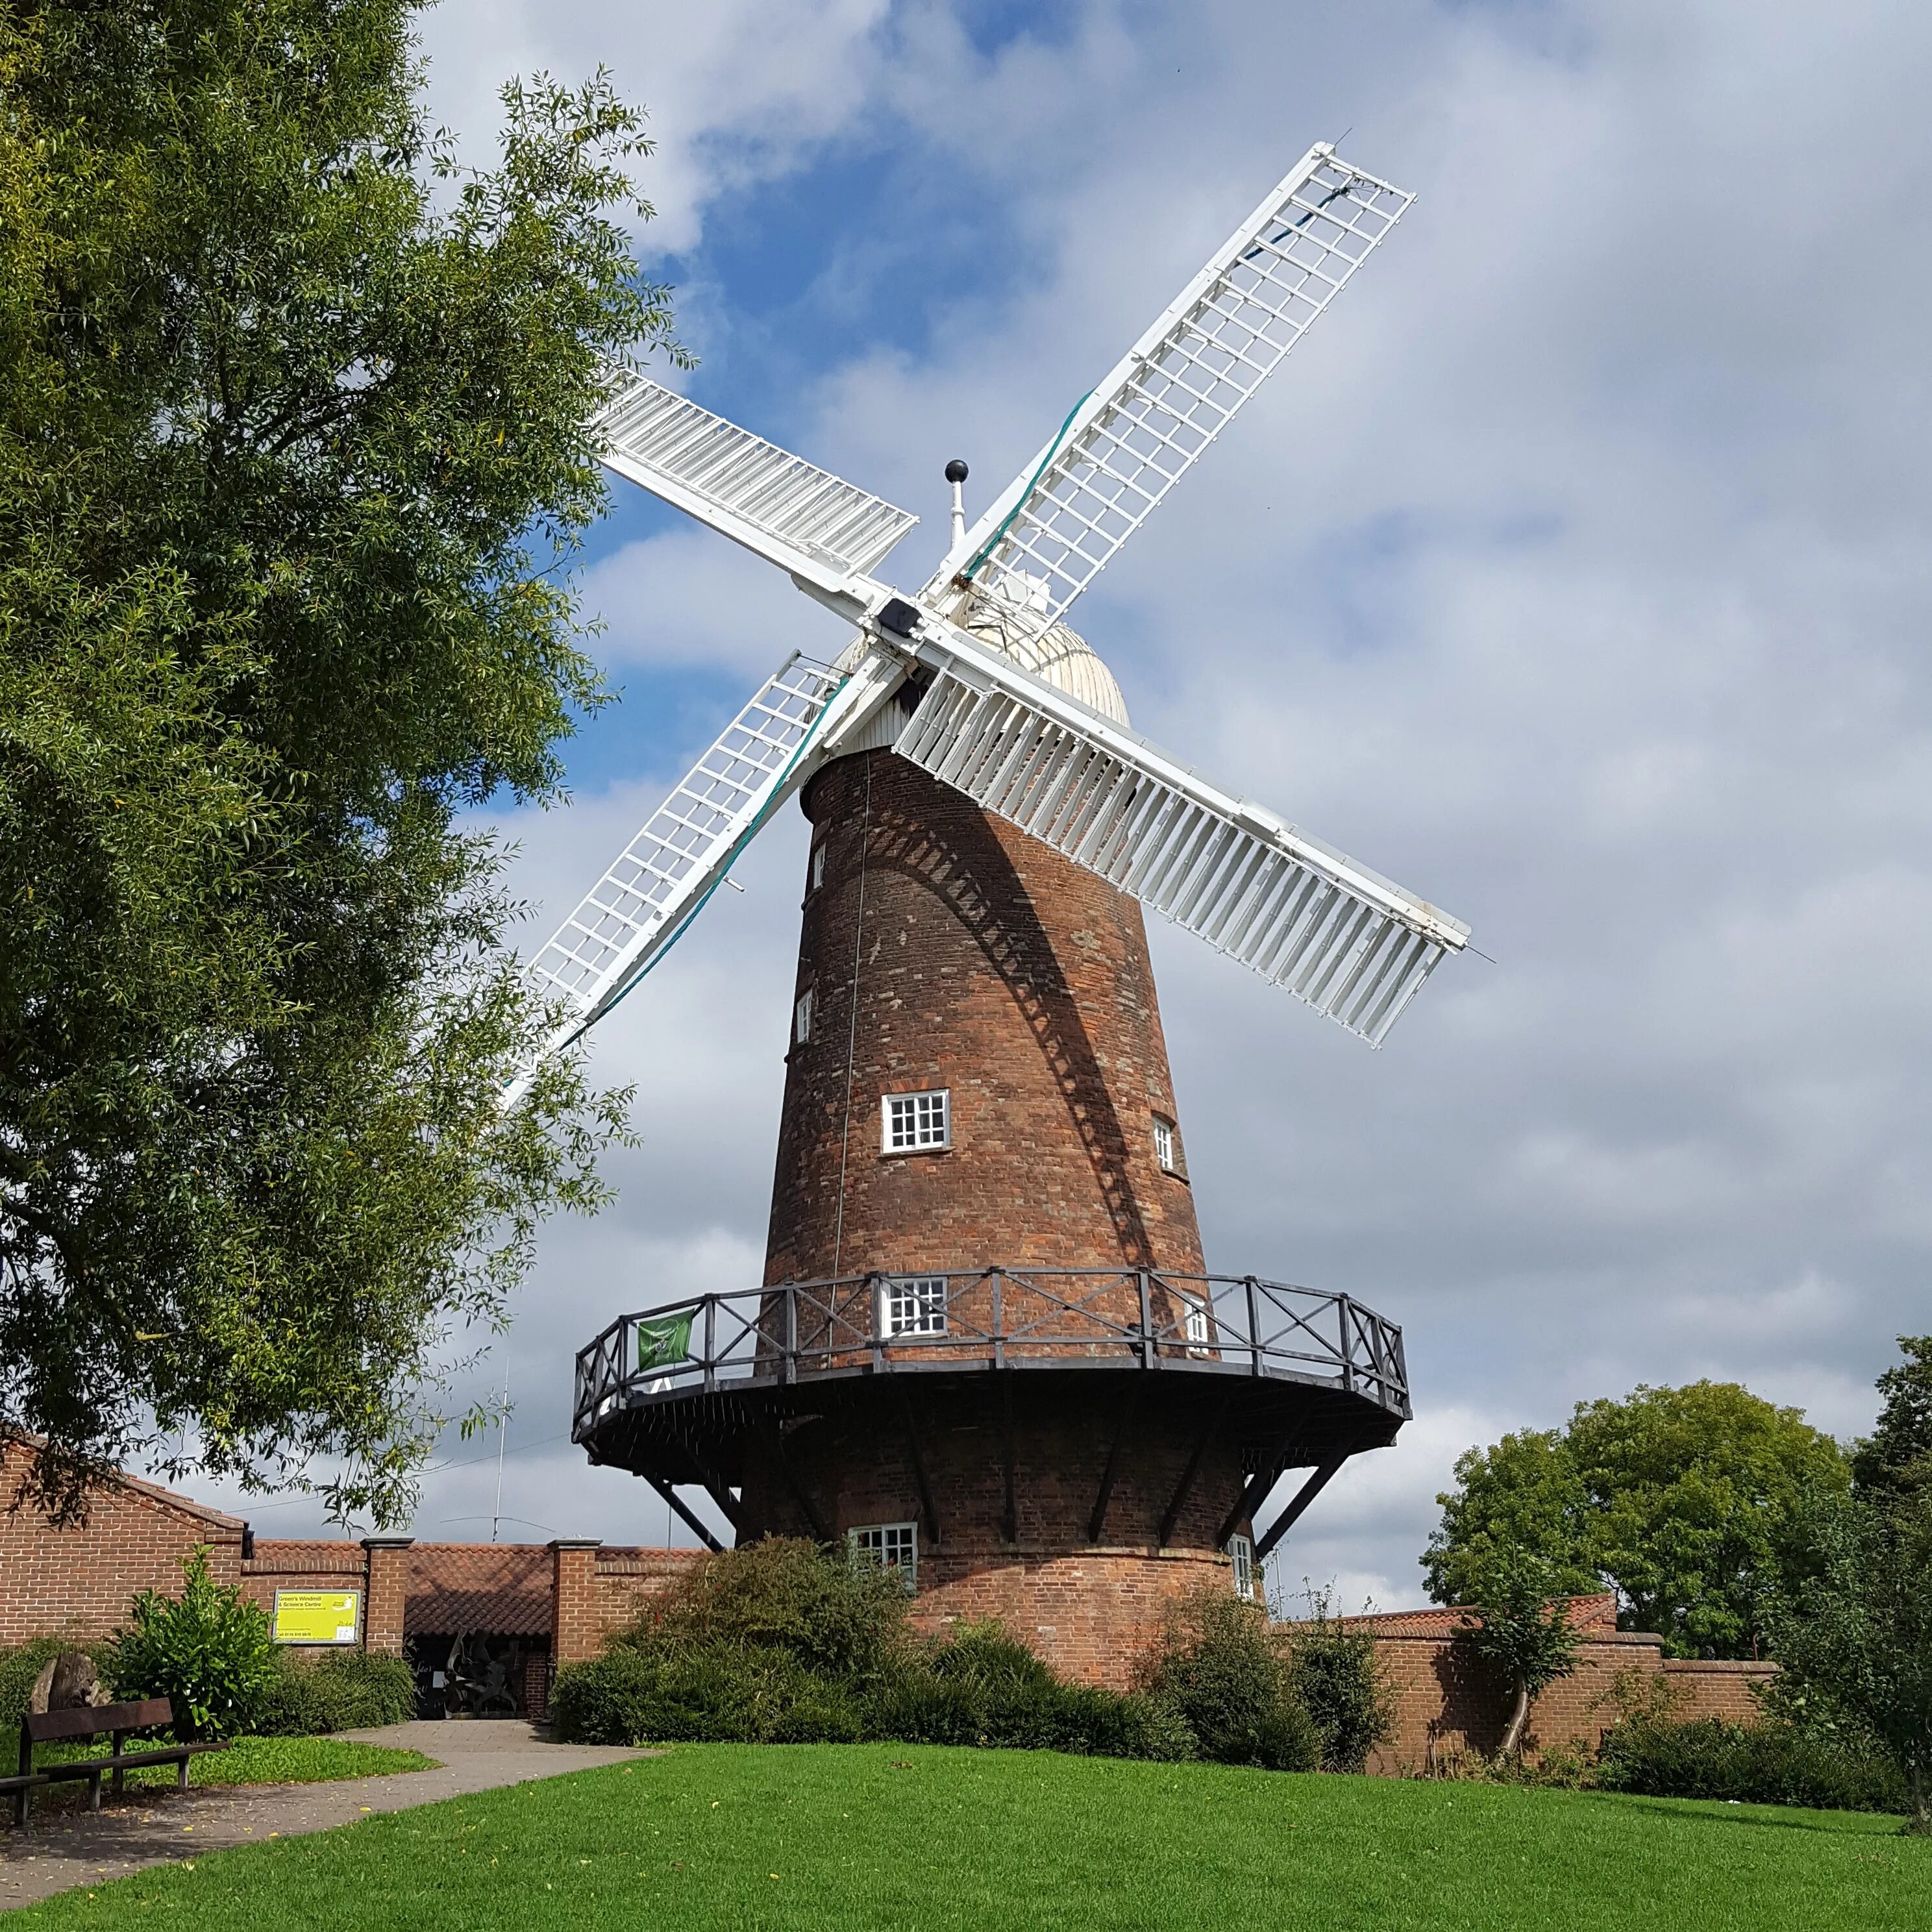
<point x="1447" y="1703"/>
<point x="80" y="1581"/>
<point x="990" y="966"/>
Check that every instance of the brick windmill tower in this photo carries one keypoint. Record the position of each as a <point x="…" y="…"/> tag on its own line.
<point x="985" y="1351"/>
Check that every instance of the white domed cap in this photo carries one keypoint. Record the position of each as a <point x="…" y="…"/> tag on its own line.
<point x="1059" y="656"/>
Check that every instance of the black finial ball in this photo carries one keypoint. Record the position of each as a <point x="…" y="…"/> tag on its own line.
<point x="956" y="471"/>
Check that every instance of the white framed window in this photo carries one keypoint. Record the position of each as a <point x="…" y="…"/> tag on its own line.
<point x="801" y="1018"/>
<point x="1241" y="1554"/>
<point x="1166" y="1149"/>
<point x="1194" y="1320"/>
<point x="912" y="1304"/>
<point x="890" y="1546"/>
<point x="818" y="866"/>
<point x="916" y="1122"/>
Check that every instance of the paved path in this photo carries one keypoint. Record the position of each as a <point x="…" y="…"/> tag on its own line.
<point x="59" y="1849"/>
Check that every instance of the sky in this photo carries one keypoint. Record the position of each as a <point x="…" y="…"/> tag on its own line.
<point x="1572" y="572"/>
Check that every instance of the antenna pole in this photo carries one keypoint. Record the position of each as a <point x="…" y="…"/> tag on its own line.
<point x="955" y="475"/>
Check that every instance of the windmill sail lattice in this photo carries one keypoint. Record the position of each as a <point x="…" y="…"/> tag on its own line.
<point x="1047" y="537"/>
<point x="1352" y="945"/>
<point x="1304" y="916"/>
<point x="661" y="877"/>
<point x="785" y="508"/>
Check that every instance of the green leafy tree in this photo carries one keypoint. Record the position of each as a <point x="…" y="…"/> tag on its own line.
<point x="1895" y="1461"/>
<point x="1524" y="1633"/>
<point x="208" y="1649"/>
<point x="1691" y="1501"/>
<point x="1522" y="1493"/>
<point x="294" y="456"/>
<point x="1854" y="1648"/>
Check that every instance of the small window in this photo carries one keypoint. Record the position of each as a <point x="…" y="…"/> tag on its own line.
<point x="1241" y="1554"/>
<point x="1165" y="1149"/>
<point x="916" y="1122"/>
<point x="1194" y="1321"/>
<point x="817" y="867"/>
<point x="890" y="1546"/>
<point x="914" y="1304"/>
<point x="801" y="1018"/>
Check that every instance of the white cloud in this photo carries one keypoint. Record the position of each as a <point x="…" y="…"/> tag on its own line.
<point x="1571" y="572"/>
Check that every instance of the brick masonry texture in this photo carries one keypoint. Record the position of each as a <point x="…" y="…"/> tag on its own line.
<point x="1447" y="1704"/>
<point x="945" y="949"/>
<point x="989" y="965"/>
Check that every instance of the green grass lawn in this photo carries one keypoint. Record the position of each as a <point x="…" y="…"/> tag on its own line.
<point x="878" y="1836"/>
<point x="246" y="1761"/>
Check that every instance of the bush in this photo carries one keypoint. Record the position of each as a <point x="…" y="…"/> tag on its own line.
<point x="208" y="1649"/>
<point x="1220" y="1669"/>
<point x="1333" y="1672"/>
<point x="345" y="1690"/>
<point x="20" y="1668"/>
<point x="703" y="1693"/>
<point x="783" y="1595"/>
<point x="780" y="1643"/>
<point x="1775" y="1763"/>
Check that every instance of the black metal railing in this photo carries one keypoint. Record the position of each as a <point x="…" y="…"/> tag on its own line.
<point x="992" y="1318"/>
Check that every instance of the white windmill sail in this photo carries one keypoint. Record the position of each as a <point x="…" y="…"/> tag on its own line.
<point x="1355" y="947"/>
<point x="1048" y="534"/>
<point x="802" y="518"/>
<point x="673" y="865"/>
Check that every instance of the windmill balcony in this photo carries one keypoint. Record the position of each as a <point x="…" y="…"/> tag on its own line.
<point x="1317" y="1366"/>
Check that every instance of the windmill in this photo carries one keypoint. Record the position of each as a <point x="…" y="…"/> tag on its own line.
<point x="986" y="1350"/>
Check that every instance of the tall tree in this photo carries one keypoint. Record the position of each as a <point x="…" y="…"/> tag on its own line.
<point x="1894" y="1462"/>
<point x="293" y="456"/>
<point x="1691" y="1501"/>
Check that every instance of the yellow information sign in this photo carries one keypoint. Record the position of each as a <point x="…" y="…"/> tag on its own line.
<point x="316" y="1616"/>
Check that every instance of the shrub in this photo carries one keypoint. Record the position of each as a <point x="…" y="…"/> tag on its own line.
<point x="1334" y="1671"/>
<point x="1775" y="1763"/>
<point x="783" y="1595"/>
<point x="346" y="1691"/>
<point x="1220" y="1669"/>
<point x="703" y="1693"/>
<point x="207" y="1649"/>
<point x="20" y="1668"/>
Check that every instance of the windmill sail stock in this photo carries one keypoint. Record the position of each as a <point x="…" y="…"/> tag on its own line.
<point x="1050" y="532"/>
<point x="1355" y="946"/>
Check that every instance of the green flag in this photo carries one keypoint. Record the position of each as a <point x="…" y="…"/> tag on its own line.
<point x="662" y="1340"/>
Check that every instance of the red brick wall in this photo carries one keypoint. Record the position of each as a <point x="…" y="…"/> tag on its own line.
<point x="625" y="1580"/>
<point x="79" y="1582"/>
<point x="576" y="1629"/>
<point x="386" y="1605"/>
<point x="989" y="965"/>
<point x="1447" y="1704"/>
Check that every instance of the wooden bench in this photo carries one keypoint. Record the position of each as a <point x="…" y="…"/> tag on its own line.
<point x="112" y="1720"/>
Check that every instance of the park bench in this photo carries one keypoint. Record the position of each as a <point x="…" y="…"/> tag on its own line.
<point x="115" y="1721"/>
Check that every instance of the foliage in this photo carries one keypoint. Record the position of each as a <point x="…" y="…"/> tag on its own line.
<point x="782" y="1594"/>
<point x="208" y="1649"/>
<point x="1523" y="1632"/>
<point x="1221" y="1669"/>
<point x="780" y="1642"/>
<point x="1855" y="1649"/>
<point x="874" y="1838"/>
<point x="1776" y="1763"/>
<point x="1333" y="1672"/>
<point x="20" y="1667"/>
<point x="1894" y="1462"/>
<point x="346" y="1691"/>
<point x="293" y="460"/>
<point x="1690" y="1500"/>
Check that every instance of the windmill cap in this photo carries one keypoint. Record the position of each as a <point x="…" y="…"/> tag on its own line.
<point x="955" y="470"/>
